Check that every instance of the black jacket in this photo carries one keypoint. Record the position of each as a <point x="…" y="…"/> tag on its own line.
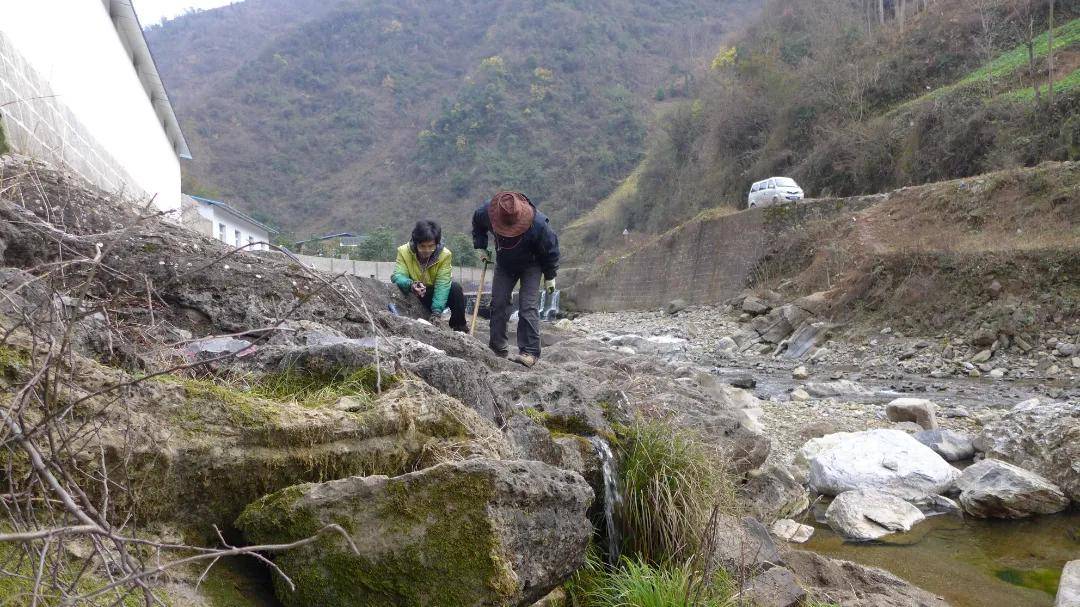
<point x="538" y="245"/>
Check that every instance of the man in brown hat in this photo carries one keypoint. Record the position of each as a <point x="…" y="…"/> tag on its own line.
<point x="527" y="249"/>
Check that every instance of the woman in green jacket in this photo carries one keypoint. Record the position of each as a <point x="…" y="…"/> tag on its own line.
<point x="424" y="268"/>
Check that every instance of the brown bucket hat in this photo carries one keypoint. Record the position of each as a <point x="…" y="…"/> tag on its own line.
<point x="511" y="214"/>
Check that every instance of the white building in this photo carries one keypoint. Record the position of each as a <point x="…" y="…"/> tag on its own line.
<point x="79" y="88"/>
<point x="218" y="220"/>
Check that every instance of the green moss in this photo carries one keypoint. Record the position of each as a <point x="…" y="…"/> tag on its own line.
<point x="560" y="425"/>
<point x="440" y="547"/>
<point x="1046" y="580"/>
<point x="207" y="399"/>
<point x="13" y="361"/>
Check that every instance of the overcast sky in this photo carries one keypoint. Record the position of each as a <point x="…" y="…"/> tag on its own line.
<point x="152" y="12"/>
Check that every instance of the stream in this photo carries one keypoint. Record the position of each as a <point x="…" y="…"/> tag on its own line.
<point x="970" y="562"/>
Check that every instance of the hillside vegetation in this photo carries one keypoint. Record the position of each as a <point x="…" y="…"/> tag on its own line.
<point x="375" y="112"/>
<point x="821" y="91"/>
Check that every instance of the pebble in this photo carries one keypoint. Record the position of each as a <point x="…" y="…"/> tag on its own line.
<point x="800" y="372"/>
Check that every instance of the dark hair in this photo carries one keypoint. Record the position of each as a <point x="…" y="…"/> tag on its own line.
<point x="424" y="231"/>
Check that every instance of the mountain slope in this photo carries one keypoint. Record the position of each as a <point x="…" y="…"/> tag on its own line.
<point x="810" y="91"/>
<point x="376" y="112"/>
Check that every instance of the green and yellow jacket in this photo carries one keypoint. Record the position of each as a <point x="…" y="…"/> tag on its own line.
<point x="436" y="274"/>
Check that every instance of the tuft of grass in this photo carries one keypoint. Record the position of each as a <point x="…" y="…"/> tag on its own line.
<point x="636" y="583"/>
<point x="318" y="390"/>
<point x="670" y="482"/>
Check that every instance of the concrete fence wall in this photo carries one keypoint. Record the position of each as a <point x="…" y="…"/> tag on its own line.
<point x="468" y="277"/>
<point x="704" y="261"/>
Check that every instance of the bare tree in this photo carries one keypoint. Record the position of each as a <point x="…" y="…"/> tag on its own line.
<point x="1050" y="55"/>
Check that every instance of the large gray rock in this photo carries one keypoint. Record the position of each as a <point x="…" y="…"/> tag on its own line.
<point x="918" y="410"/>
<point x="774" y="493"/>
<point x="470" y="533"/>
<point x="776" y="587"/>
<point x="755" y="305"/>
<point x="1068" y="594"/>
<point x="1039" y="436"/>
<point x="833" y="581"/>
<point x="744" y="546"/>
<point x="868" y="514"/>
<point x="950" y="445"/>
<point x="993" y="488"/>
<point x="884" y="459"/>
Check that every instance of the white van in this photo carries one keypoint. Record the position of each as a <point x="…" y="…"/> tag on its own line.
<point x="773" y="190"/>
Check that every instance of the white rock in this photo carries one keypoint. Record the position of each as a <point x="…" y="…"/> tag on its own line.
<point x="800" y="373"/>
<point x="884" y="459"/>
<point x="726" y="344"/>
<point x="868" y="514"/>
<point x="1068" y="594"/>
<point x="982" y="357"/>
<point x="791" y="531"/>
<point x="751" y="419"/>
<point x="799" y="395"/>
<point x="997" y="373"/>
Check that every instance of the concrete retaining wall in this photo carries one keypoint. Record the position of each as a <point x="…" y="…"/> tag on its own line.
<point x="381" y="270"/>
<point x="704" y="261"/>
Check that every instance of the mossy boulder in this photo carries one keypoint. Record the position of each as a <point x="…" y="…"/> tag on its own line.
<point x="469" y="533"/>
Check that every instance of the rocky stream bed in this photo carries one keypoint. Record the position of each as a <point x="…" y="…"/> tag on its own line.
<point x="845" y="384"/>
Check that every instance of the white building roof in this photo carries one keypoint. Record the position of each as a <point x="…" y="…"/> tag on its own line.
<point x="130" y="30"/>
<point x="232" y="211"/>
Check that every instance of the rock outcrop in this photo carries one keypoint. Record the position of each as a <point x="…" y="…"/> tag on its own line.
<point x="996" y="489"/>
<point x="471" y="533"/>
<point x="1043" y="437"/>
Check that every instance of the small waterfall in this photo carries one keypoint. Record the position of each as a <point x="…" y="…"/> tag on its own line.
<point x="550" y="309"/>
<point x="611" y="497"/>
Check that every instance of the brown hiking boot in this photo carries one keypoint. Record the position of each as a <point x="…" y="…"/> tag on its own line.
<point x="526" y="359"/>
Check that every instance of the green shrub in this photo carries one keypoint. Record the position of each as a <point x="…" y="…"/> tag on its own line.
<point x="669" y="483"/>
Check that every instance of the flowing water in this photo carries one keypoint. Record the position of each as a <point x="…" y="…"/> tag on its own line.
<point x="549" y="306"/>
<point x="611" y="496"/>
<point x="971" y="562"/>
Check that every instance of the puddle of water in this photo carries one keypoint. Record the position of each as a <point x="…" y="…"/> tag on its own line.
<point x="971" y="562"/>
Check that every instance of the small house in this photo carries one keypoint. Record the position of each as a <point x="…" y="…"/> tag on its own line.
<point x="219" y="220"/>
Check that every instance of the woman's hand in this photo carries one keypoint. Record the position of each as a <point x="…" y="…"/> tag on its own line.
<point x="419" y="288"/>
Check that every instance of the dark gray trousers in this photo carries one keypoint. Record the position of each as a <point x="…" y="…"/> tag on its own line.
<point x="528" y="329"/>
